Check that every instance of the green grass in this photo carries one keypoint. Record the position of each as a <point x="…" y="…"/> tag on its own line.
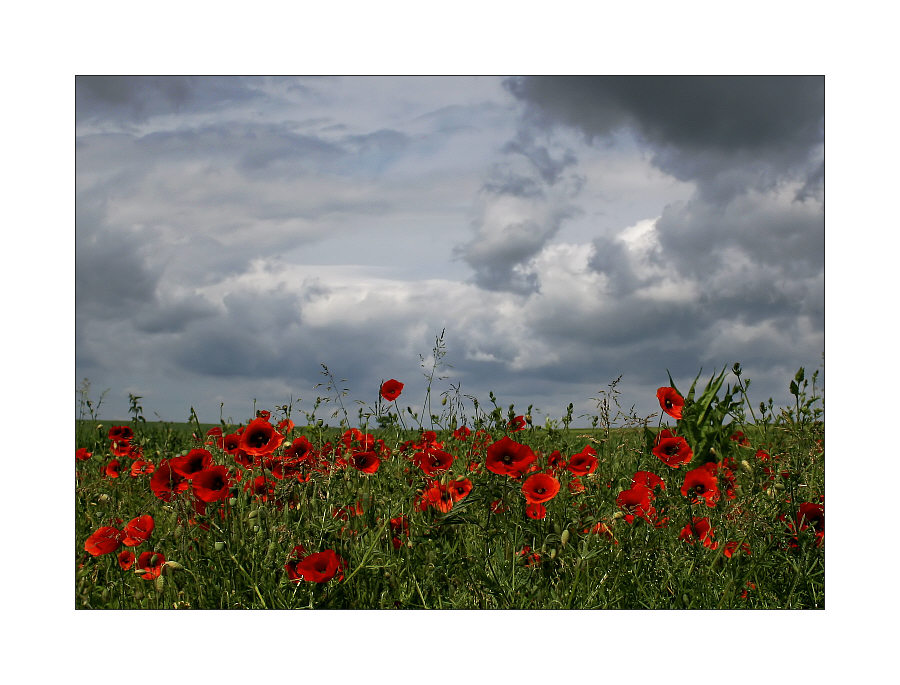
<point x="470" y="557"/>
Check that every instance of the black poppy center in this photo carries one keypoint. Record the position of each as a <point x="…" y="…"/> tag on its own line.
<point x="258" y="439"/>
<point x="506" y="459"/>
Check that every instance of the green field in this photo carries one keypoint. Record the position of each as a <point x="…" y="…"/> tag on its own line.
<point x="591" y="550"/>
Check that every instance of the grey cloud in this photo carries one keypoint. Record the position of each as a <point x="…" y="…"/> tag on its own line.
<point x="126" y="99"/>
<point x="697" y="125"/>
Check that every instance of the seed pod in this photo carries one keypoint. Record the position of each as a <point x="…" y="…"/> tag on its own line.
<point x="219" y="546"/>
<point x="564" y="538"/>
<point x="232" y="501"/>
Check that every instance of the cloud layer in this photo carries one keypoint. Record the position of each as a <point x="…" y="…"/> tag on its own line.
<point x="232" y="234"/>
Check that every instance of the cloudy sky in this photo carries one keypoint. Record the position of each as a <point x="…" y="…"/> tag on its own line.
<point x="233" y="234"/>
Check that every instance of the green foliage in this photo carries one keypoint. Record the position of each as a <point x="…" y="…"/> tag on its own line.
<point x="484" y="553"/>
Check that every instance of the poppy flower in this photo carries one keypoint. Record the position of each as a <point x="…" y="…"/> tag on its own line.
<point x="603" y="530"/>
<point x="438" y="496"/>
<point x="301" y="449"/>
<point x="120" y="449"/>
<point x="812" y="515"/>
<point x="699" y="484"/>
<point x="399" y="527"/>
<point x="166" y="483"/>
<point x="575" y="486"/>
<point x="126" y="559"/>
<point x="390" y="390"/>
<point x="636" y="502"/>
<point x="260" y="438"/>
<point x="194" y="461"/>
<point x="671" y="402"/>
<point x="433" y="461"/>
<point x="285" y="425"/>
<point x="583" y="463"/>
<point x="151" y="563"/>
<point x="82" y="454"/>
<point x="142" y="467"/>
<point x="517" y="424"/>
<point x="539" y="488"/>
<point x="319" y="567"/>
<point x="648" y="480"/>
<point x="733" y="546"/>
<point x="367" y="462"/>
<point x="113" y="469"/>
<point x="260" y="487"/>
<point x="462" y="433"/>
<point x="536" y="511"/>
<point x="699" y="529"/>
<point x="672" y="450"/>
<point x="459" y="489"/>
<point x="508" y="458"/>
<point x="497" y="507"/>
<point x="212" y="484"/>
<point x="103" y="541"/>
<point x="137" y="530"/>
<point x="762" y="455"/>
<point x="120" y="434"/>
<point x="231" y="443"/>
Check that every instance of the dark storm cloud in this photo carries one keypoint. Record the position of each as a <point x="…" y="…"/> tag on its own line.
<point x="129" y="99"/>
<point x="697" y="126"/>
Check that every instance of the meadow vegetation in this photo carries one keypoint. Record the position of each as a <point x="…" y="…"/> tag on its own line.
<point x="712" y="503"/>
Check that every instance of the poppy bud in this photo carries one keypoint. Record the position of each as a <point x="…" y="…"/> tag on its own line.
<point x="564" y="538"/>
<point x="553" y="553"/>
<point x="779" y="486"/>
<point x="618" y="515"/>
<point x="232" y="501"/>
<point x="444" y="401"/>
<point x="746" y="466"/>
<point x="253" y="514"/>
<point x="103" y="498"/>
<point x="159" y="583"/>
<point x="171" y="567"/>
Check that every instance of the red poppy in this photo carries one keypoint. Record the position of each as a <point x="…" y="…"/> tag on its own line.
<point x="733" y="546"/>
<point x="137" y="530"/>
<point x="367" y="462"/>
<point x="636" y="502"/>
<point x="671" y="402"/>
<point x="285" y="425"/>
<point x="517" y="424"/>
<point x="301" y="449"/>
<point x="113" y="469"/>
<point x="120" y="449"/>
<point x="603" y="530"/>
<point x="584" y="462"/>
<point x="508" y="458"/>
<point x="194" y="461"/>
<point x="438" y="496"/>
<point x="399" y="527"/>
<point x="151" y="563"/>
<point x="82" y="454"/>
<point x="142" y="467"/>
<point x="319" y="567"/>
<point x="260" y="487"/>
<point x="810" y="514"/>
<point x="260" y="438"/>
<point x="648" y="480"/>
<point x="390" y="390"/>
<point x="762" y="455"/>
<point x="497" y="507"/>
<point x="701" y="483"/>
<point x="460" y="489"/>
<point x="212" y="484"/>
<point x="536" y="511"/>
<point x="166" y="483"/>
<point x="126" y="559"/>
<point x="741" y="439"/>
<point x="575" y="486"/>
<point x="462" y="433"/>
<point x="433" y="461"/>
<point x="103" y="541"/>
<point x="672" y="450"/>
<point x="539" y="488"/>
<point x="120" y="434"/>
<point x="231" y="443"/>
<point x="699" y="529"/>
